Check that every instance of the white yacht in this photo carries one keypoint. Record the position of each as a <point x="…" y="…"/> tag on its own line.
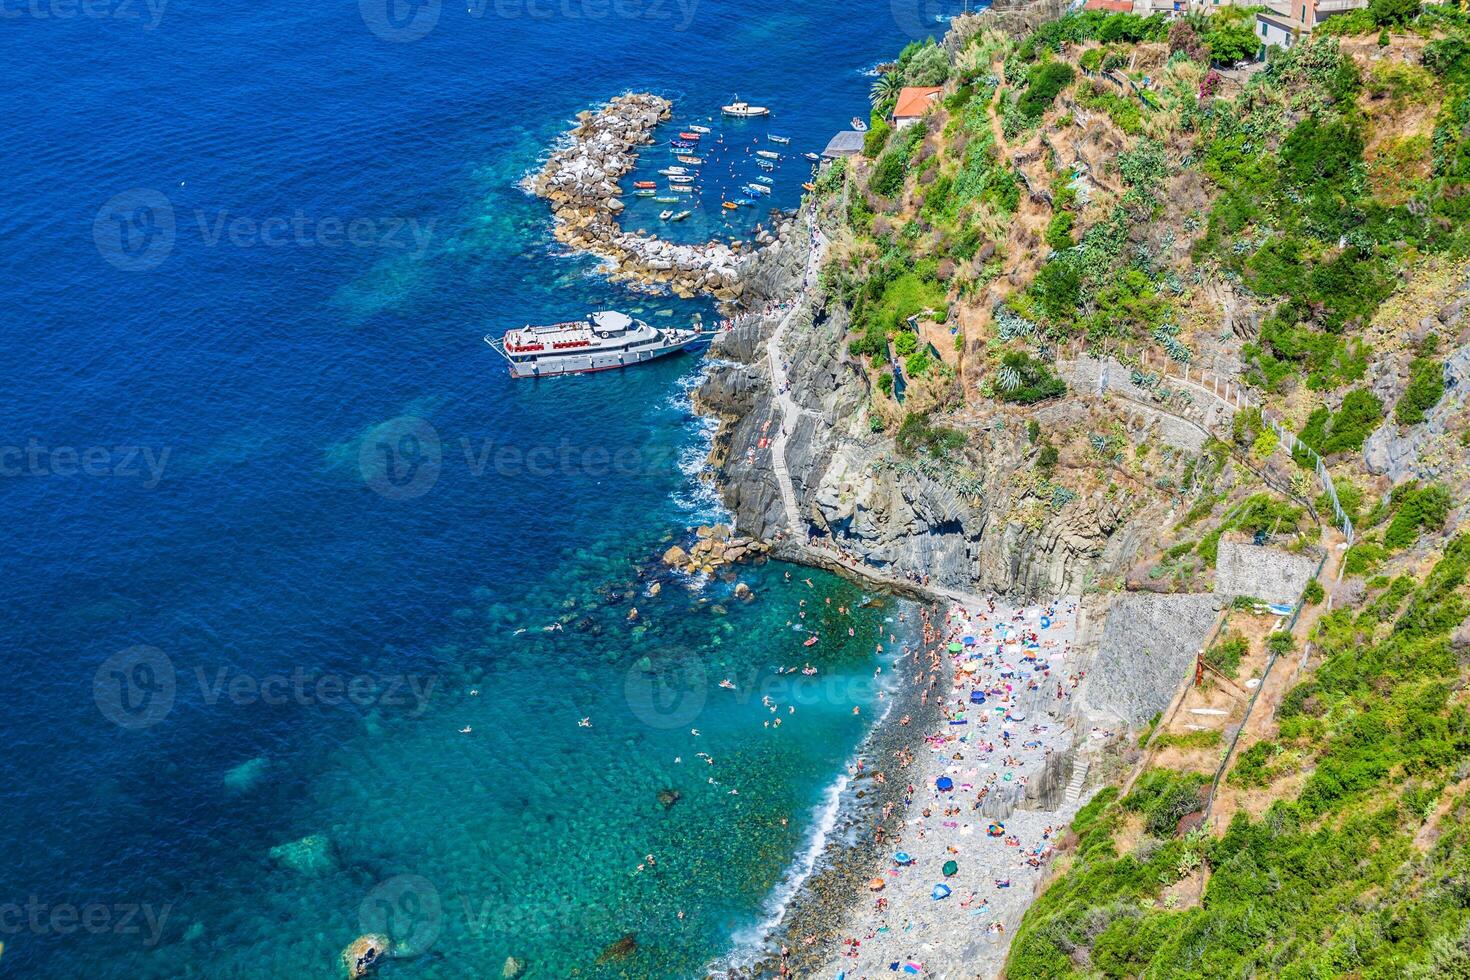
<point x="598" y="342"/>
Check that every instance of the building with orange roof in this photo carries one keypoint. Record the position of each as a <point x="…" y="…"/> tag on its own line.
<point x="913" y="102"/>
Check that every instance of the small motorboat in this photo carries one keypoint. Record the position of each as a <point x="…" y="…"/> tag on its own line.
<point x="682" y="144"/>
<point x="809" y="187"/>
<point x="681" y="178"/>
<point x="644" y="193"/>
<point x="700" y="129"/>
<point x="813" y="157"/>
<point x="682" y="215"/>
<point x="666" y="214"/>
<point x="743" y="200"/>
<point x="764" y="179"/>
<point x="692" y="137"/>
<point x="744" y="109"/>
<point x="681" y="188"/>
<point x="667" y="200"/>
<point x="669" y="171"/>
<point x="692" y="161"/>
<point x="765" y="165"/>
<point x="757" y="188"/>
<point x="859" y="125"/>
<point x="768" y="154"/>
<point x="645" y="185"/>
<point x="778" y="139"/>
<point x="729" y="205"/>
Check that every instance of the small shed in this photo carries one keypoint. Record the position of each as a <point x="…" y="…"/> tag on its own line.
<point x="848" y="143"/>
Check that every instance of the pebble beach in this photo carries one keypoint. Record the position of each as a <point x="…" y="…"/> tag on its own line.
<point x="964" y="800"/>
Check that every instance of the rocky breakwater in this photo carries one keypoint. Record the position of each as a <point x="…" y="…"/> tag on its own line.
<point x="580" y="181"/>
<point x="712" y="548"/>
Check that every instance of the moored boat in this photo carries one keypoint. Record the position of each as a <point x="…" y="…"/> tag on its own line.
<point x="813" y="157"/>
<point x="644" y="193"/>
<point x="598" y="342"/>
<point x="700" y="129"/>
<point x="682" y="144"/>
<point x="666" y="214"/>
<point x="729" y="205"/>
<point x="757" y="188"/>
<point x="685" y="158"/>
<point x="681" y="178"/>
<point x="764" y="179"/>
<point x="778" y="139"/>
<point x="765" y="165"/>
<point x="645" y="184"/>
<point x="692" y="137"/>
<point x="682" y="215"/>
<point x="669" y="171"/>
<point x="744" y="109"/>
<point x="859" y="125"/>
<point x="681" y="188"/>
<point x="768" y="154"/>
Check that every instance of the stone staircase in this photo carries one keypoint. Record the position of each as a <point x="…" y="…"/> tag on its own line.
<point x="1080" y="769"/>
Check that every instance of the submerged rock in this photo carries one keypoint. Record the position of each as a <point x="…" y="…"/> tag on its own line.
<point x="668" y="797"/>
<point x="243" y="777"/>
<point x="310" y="856"/>
<point x="622" y="948"/>
<point x="512" y="968"/>
<point x="364" y="953"/>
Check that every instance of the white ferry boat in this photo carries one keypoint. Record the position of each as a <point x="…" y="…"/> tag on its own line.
<point x="598" y="342"/>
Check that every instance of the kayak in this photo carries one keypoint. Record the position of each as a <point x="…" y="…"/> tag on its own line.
<point x="811" y="640"/>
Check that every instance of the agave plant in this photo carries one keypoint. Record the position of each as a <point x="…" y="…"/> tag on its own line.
<point x="886" y="88"/>
<point x="1008" y="378"/>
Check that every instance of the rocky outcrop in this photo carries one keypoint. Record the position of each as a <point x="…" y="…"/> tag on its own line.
<point x="1427" y="451"/>
<point x="581" y="183"/>
<point x="972" y="523"/>
<point x="1264" y="573"/>
<point x="364" y="953"/>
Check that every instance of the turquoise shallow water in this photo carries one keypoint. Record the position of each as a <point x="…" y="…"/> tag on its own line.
<point x="262" y="477"/>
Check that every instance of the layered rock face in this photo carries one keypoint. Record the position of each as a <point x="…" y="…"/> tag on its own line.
<point x="581" y="183"/>
<point x="955" y="522"/>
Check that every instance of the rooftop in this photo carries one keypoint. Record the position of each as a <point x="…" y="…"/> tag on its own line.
<point x="848" y="143"/>
<point x="915" y="101"/>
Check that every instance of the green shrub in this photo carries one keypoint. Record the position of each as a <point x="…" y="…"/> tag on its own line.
<point x="916" y="435"/>
<point x="905" y="343"/>
<point x="1416" y="509"/>
<point x="1059" y="230"/>
<point x="1425" y="388"/>
<point x="876" y="139"/>
<point x="1227" y="653"/>
<point x="1348" y="428"/>
<point x="1313" y="593"/>
<point x="1026" y="380"/>
<point x="1046" y="459"/>
<point x="1043" y="83"/>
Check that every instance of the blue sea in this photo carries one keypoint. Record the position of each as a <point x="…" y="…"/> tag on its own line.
<point x="306" y="602"/>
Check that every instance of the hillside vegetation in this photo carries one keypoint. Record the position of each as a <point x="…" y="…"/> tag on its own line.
<point x="1299" y="225"/>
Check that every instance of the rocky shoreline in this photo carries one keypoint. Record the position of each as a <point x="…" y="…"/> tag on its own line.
<point x="580" y="181"/>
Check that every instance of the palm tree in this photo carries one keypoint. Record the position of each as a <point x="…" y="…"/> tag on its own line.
<point x="885" y="89"/>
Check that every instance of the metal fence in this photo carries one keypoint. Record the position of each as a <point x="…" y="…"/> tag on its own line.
<point x="1294" y="445"/>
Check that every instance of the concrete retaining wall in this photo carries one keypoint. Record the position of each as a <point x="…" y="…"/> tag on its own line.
<point x="1147" y="649"/>
<point x="1266" y="573"/>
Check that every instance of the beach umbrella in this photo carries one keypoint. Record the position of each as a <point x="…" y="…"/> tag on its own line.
<point x="941" y="890"/>
<point x="1045" y="623"/>
<point x="951" y="868"/>
<point x="969" y="641"/>
<point x="876" y="884"/>
<point x="944" y="784"/>
<point x="996" y="828"/>
<point x="955" y="648"/>
<point x="902" y="857"/>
